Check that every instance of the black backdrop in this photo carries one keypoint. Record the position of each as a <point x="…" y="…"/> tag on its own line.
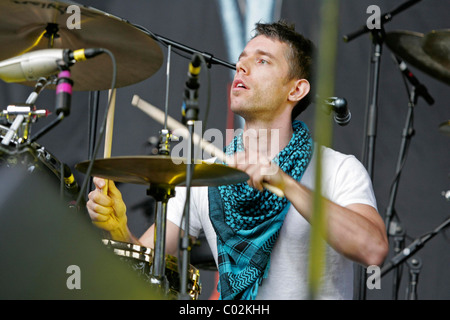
<point x="419" y="205"/>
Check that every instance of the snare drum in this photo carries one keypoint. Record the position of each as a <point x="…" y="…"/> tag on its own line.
<point x="141" y="261"/>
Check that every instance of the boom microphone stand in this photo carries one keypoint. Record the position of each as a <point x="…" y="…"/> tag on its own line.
<point x="394" y="228"/>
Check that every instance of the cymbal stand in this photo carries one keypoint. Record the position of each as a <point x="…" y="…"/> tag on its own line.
<point x="372" y="108"/>
<point x="161" y="194"/>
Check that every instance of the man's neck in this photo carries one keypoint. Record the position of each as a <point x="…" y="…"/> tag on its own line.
<point x="267" y="139"/>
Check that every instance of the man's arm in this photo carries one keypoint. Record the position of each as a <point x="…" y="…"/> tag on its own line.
<point x="356" y="231"/>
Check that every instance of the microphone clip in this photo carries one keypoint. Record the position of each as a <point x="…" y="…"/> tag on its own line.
<point x="342" y="115"/>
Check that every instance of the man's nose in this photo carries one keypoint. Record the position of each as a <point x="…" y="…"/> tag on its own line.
<point x="241" y="66"/>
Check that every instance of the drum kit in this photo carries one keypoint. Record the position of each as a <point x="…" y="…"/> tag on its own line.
<point x="38" y="48"/>
<point x="136" y="56"/>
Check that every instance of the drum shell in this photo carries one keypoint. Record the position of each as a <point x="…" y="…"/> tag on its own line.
<point x="140" y="259"/>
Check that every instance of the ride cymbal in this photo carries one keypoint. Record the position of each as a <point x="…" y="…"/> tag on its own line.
<point x="42" y="24"/>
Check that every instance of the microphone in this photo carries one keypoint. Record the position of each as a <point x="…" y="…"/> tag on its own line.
<point x="42" y="63"/>
<point x="342" y="115"/>
<point x="69" y="181"/>
<point x="63" y="93"/>
<point x="190" y="103"/>
<point x="420" y="88"/>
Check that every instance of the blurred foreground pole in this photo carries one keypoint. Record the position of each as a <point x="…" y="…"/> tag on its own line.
<point x="325" y="76"/>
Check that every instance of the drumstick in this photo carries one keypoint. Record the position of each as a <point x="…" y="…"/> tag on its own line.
<point x="109" y="130"/>
<point x="172" y="124"/>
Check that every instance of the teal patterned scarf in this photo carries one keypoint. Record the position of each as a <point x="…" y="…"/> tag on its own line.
<point x="247" y="221"/>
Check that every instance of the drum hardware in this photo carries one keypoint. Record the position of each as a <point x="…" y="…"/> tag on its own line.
<point x="27" y="114"/>
<point x="37" y="159"/>
<point x="378" y="36"/>
<point x="161" y="174"/>
<point x="409" y="252"/>
<point x="161" y="193"/>
<point x="22" y="120"/>
<point x="49" y="23"/>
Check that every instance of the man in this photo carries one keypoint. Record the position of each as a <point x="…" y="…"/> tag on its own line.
<point x="260" y="241"/>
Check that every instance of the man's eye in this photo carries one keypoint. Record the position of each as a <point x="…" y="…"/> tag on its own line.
<point x="262" y="61"/>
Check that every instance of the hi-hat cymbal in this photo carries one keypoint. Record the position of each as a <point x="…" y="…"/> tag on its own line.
<point x="429" y="53"/>
<point x="30" y="25"/>
<point x="161" y="170"/>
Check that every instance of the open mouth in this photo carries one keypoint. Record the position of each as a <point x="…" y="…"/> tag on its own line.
<point x="239" y="84"/>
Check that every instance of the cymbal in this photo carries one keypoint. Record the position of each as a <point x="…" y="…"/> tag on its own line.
<point x="29" y="25"/>
<point x="430" y="53"/>
<point x="437" y="45"/>
<point x="162" y="170"/>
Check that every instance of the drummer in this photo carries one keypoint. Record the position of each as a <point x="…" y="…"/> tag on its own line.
<point x="260" y="241"/>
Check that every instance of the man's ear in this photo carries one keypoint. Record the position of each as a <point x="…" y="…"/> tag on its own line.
<point x="300" y="90"/>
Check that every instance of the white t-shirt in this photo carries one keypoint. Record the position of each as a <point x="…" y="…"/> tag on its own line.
<point x="345" y="181"/>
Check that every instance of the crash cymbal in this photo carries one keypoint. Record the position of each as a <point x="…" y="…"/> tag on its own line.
<point x="437" y="45"/>
<point x="426" y="53"/>
<point x="162" y="170"/>
<point x="41" y="24"/>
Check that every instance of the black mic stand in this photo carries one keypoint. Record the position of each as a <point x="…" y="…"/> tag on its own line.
<point x="209" y="58"/>
<point x="372" y="110"/>
<point x="191" y="116"/>
<point x="414" y="264"/>
<point x="394" y="228"/>
<point x="409" y="251"/>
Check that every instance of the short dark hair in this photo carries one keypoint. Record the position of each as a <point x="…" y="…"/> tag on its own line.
<point x="300" y="57"/>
